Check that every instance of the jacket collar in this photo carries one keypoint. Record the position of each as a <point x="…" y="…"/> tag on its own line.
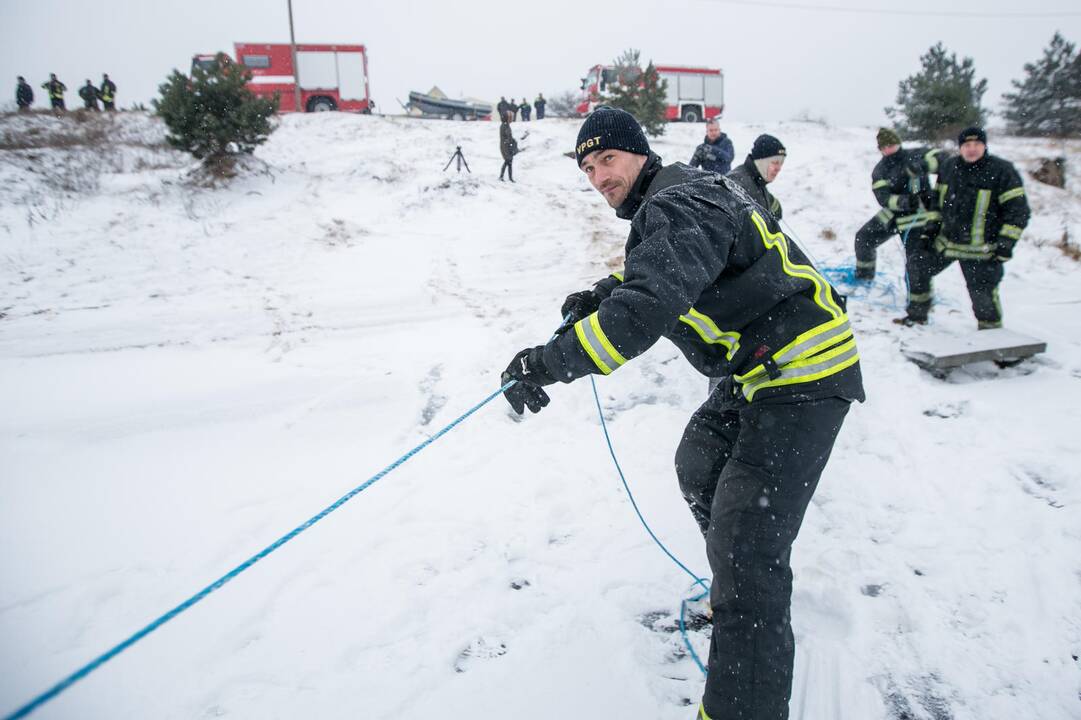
<point x="638" y="191"/>
<point x="753" y="170"/>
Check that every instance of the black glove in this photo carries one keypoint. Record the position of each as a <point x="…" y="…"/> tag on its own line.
<point x="1003" y="250"/>
<point x="914" y="165"/>
<point x="579" y="305"/>
<point x="528" y="369"/>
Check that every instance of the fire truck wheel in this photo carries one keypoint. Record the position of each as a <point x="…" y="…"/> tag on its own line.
<point x="321" y="104"/>
<point x="692" y="114"/>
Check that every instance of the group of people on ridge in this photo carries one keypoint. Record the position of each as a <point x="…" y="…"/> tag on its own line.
<point x="90" y="94"/>
<point x="505" y="107"/>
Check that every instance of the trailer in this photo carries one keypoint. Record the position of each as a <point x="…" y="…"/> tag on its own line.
<point x="332" y="77"/>
<point x="693" y="93"/>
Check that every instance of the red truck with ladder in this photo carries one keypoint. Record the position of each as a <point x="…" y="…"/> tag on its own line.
<point x="332" y="77"/>
<point x="693" y="93"/>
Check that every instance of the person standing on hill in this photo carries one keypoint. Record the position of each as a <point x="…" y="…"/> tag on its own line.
<point x="715" y="154"/>
<point x="24" y="94"/>
<point x="761" y="168"/>
<point x="901" y="186"/>
<point x="89" y="94"/>
<point x="508" y="147"/>
<point x="56" y="90"/>
<point x="539" y="104"/>
<point x="711" y="271"/>
<point x="108" y="92"/>
<point x="982" y="202"/>
<point x="526" y="109"/>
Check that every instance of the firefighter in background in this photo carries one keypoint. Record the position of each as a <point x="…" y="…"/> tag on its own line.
<point x="539" y="104"/>
<point x="24" y="95"/>
<point x="526" y="109"/>
<point x="901" y="186"/>
<point x="89" y="94"/>
<point x="715" y="154"/>
<point x="983" y="207"/>
<point x="108" y="92"/>
<point x="513" y="107"/>
<point x="502" y="108"/>
<point x="56" y="90"/>
<point x="711" y="271"/>
<point x="762" y="167"/>
<point x="508" y="147"/>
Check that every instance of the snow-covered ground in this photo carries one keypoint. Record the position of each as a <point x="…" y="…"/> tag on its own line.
<point x="186" y="374"/>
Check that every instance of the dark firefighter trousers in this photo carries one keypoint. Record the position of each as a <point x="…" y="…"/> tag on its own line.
<point x="748" y="472"/>
<point x="875" y="233"/>
<point x="981" y="276"/>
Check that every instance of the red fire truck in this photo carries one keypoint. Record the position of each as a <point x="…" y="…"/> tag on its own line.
<point x="332" y="77"/>
<point x="694" y="94"/>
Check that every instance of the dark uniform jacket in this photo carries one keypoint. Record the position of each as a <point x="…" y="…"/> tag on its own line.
<point x="55" y="89"/>
<point x="508" y="146"/>
<point x="906" y="198"/>
<point x="983" y="208"/>
<point x="714" y="156"/>
<point x="108" y="91"/>
<point x="89" y="94"/>
<point x="709" y="270"/>
<point x="751" y="180"/>
<point x="24" y="95"/>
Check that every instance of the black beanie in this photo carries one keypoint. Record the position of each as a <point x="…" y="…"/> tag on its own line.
<point x="766" y="146"/>
<point x="610" y="128"/>
<point x="972" y="133"/>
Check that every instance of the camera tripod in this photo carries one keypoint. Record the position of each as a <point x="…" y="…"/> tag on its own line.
<point x="461" y="160"/>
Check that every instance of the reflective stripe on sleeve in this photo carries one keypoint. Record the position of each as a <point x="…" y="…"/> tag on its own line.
<point x="894" y="202"/>
<point x="884" y="216"/>
<point x="931" y="159"/>
<point x="1010" y="195"/>
<point x="880" y="184"/>
<point x="618" y="276"/>
<point x="1010" y="231"/>
<point x="597" y="345"/>
<point x="710" y="333"/>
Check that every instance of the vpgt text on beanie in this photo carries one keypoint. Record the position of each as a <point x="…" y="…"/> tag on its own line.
<point x="610" y="128"/>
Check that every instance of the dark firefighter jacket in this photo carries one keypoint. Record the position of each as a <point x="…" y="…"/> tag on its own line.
<point x="56" y="89"/>
<point x="89" y="94"/>
<point x="508" y="146"/>
<point x="108" y="91"/>
<point x="983" y="208"/>
<point x="751" y="180"/>
<point x="24" y="95"/>
<point x="706" y="268"/>
<point x="907" y="200"/>
<point x="714" y="156"/>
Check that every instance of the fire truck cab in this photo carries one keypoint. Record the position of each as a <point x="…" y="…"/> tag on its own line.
<point x="332" y="77"/>
<point x="693" y="94"/>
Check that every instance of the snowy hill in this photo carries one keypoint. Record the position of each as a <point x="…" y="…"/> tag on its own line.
<point x="187" y="373"/>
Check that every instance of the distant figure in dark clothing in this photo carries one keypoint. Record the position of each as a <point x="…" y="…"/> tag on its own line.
<point x="716" y="152"/>
<point x="526" y="109"/>
<point x="513" y="110"/>
<point x="24" y="95"/>
<point x="108" y="92"/>
<point x="539" y="104"/>
<point x="508" y="148"/>
<point x="502" y="108"/>
<point x="89" y="94"/>
<point x="56" y="91"/>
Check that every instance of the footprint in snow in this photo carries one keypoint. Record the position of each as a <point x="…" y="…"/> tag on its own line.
<point x="482" y="648"/>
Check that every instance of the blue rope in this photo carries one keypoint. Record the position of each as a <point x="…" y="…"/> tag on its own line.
<point x="155" y="624"/>
<point x="634" y="504"/>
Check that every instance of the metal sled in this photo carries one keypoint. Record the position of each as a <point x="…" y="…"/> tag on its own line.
<point x="1004" y="347"/>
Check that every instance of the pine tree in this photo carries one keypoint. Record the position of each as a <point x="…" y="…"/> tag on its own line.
<point x="642" y="93"/>
<point x="213" y="115"/>
<point x="1048" y="101"/>
<point x="941" y="99"/>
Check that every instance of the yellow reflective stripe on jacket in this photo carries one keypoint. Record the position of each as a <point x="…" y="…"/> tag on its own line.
<point x="1011" y="231"/>
<point x="816" y="367"/>
<point x="1010" y="195"/>
<point x="894" y="201"/>
<point x="884" y="216"/>
<point x="918" y="220"/>
<point x="618" y="276"/>
<point x="710" y="333"/>
<point x="702" y="713"/>
<point x="823" y="295"/>
<point x="597" y="345"/>
<point x="880" y="184"/>
<point x="979" y="216"/>
<point x="942" y="188"/>
<point x="774" y="205"/>
<point x="931" y="159"/>
<point x="965" y="252"/>
<point x="804" y="346"/>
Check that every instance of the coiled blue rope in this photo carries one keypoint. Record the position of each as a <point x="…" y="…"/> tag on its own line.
<point x="135" y="637"/>
<point x="634" y="504"/>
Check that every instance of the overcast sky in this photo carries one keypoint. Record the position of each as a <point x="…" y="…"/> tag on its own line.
<point x="779" y="62"/>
